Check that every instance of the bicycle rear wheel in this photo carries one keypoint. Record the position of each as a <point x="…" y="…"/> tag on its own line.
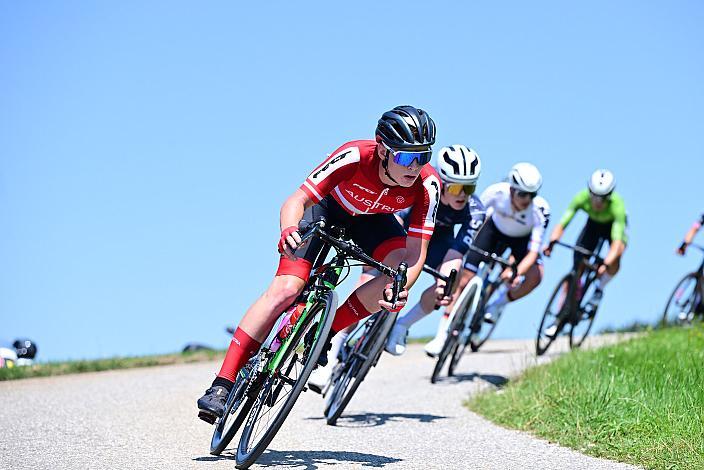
<point x="555" y="312"/>
<point x="455" y="331"/>
<point x="583" y="319"/>
<point x="682" y="301"/>
<point x="360" y="360"/>
<point x="281" y="388"/>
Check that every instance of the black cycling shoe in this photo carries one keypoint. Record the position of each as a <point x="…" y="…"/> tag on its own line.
<point x="323" y="358"/>
<point x="212" y="404"/>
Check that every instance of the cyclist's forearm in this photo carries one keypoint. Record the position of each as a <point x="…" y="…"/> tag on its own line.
<point x="293" y="208"/>
<point x="692" y="233"/>
<point x="416" y="250"/>
<point x="557" y="233"/>
<point x="526" y="263"/>
<point x="615" y="251"/>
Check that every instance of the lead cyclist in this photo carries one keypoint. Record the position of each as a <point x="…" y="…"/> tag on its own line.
<point x="606" y="221"/>
<point x="359" y="187"/>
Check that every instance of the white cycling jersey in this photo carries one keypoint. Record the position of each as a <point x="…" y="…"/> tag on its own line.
<point x="533" y="220"/>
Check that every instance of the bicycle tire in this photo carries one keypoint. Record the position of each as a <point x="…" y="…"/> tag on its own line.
<point x="454" y="331"/>
<point x="671" y="318"/>
<point x="226" y="428"/>
<point x="342" y="392"/>
<point x="463" y="340"/>
<point x="552" y="318"/>
<point x="478" y="319"/>
<point x="246" y="455"/>
<point x="582" y="317"/>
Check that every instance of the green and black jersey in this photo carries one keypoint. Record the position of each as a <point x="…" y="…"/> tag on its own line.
<point x="614" y="213"/>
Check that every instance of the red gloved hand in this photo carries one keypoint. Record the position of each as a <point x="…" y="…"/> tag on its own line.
<point x="285" y="233"/>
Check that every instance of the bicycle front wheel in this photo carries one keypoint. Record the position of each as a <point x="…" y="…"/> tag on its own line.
<point x="463" y="340"/>
<point x="583" y="318"/>
<point x="482" y="330"/>
<point x="452" y="341"/>
<point x="361" y="359"/>
<point x="554" y="313"/>
<point x="282" y="387"/>
<point x="682" y="302"/>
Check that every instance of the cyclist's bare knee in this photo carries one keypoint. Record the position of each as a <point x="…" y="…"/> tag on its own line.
<point x="284" y="290"/>
<point x="614" y="268"/>
<point x="395" y="257"/>
<point x="534" y="276"/>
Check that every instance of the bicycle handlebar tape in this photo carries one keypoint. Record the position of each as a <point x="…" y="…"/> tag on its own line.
<point x="242" y="348"/>
<point x="349" y="312"/>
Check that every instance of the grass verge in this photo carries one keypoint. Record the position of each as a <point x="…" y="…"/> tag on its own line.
<point x="640" y="402"/>
<point x="77" y="367"/>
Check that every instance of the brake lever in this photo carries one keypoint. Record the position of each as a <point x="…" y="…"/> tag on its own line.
<point x="311" y="229"/>
<point x="514" y="270"/>
<point x="398" y="283"/>
<point x="450" y="283"/>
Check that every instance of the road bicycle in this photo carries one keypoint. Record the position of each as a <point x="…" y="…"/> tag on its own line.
<point x="686" y="299"/>
<point x="466" y="326"/>
<point x="570" y="309"/>
<point x="361" y="351"/>
<point x="266" y="389"/>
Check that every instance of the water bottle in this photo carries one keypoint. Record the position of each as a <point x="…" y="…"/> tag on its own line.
<point x="286" y="325"/>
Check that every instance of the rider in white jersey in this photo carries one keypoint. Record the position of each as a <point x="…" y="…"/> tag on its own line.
<point x="516" y="223"/>
<point x="516" y="218"/>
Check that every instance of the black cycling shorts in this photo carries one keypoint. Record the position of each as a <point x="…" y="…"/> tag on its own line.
<point x="376" y="234"/>
<point x="592" y="236"/>
<point x="490" y="238"/>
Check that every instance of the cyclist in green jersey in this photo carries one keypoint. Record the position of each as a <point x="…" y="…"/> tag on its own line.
<point x="607" y="221"/>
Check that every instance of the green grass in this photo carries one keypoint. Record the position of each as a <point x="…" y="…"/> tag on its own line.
<point x="77" y="367"/>
<point x="418" y="339"/>
<point x="641" y="401"/>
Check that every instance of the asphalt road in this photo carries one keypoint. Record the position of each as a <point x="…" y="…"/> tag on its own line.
<point x="146" y="418"/>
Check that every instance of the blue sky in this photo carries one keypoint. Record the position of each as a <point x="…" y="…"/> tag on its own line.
<point x="146" y="147"/>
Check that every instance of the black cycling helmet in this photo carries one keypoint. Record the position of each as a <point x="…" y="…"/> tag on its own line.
<point x="406" y="127"/>
<point x="26" y="349"/>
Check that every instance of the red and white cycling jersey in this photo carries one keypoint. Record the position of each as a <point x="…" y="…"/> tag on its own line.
<point x="351" y="175"/>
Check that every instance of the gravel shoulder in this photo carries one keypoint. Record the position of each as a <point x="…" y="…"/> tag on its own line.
<point x="146" y="418"/>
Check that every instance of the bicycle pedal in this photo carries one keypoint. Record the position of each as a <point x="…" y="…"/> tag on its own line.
<point x="207" y="417"/>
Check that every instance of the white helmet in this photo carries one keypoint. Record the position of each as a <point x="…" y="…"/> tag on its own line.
<point x="525" y="177"/>
<point x="602" y="183"/>
<point x="459" y="164"/>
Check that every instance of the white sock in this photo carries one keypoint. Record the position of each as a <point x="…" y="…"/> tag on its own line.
<point x="412" y="316"/>
<point x="603" y="280"/>
<point x="336" y="344"/>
